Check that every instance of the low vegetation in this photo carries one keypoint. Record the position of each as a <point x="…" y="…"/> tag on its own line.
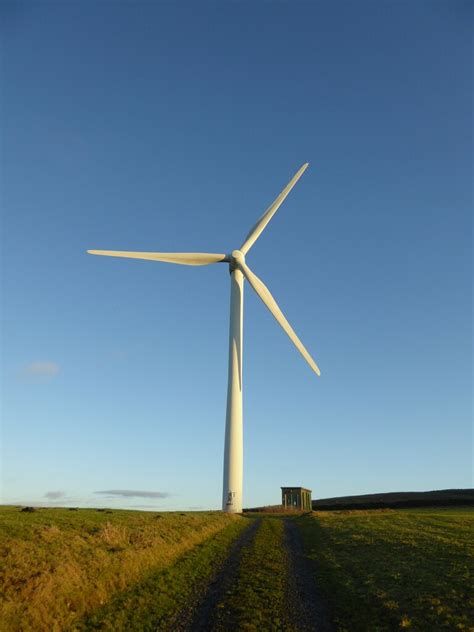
<point x="398" y="500"/>
<point x="58" y="565"/>
<point x="157" y="601"/>
<point x="379" y="570"/>
<point x="391" y="569"/>
<point x="257" y="599"/>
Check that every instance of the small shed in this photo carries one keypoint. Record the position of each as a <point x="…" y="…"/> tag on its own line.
<point x="296" y="498"/>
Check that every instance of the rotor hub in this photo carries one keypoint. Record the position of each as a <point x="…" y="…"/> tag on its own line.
<point x="235" y="258"/>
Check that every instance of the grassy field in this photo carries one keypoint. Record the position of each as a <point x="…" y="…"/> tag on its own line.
<point x="377" y="570"/>
<point x="398" y="500"/>
<point x="393" y="569"/>
<point x="58" y="565"/>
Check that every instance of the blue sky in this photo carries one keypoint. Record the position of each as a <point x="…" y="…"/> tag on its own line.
<point x="171" y="127"/>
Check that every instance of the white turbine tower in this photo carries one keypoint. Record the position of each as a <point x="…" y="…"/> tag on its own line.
<point x="233" y="451"/>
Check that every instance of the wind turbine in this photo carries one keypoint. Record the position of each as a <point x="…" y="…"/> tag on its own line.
<point x="233" y="450"/>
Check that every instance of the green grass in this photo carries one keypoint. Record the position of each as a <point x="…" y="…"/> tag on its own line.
<point x="152" y="603"/>
<point x="378" y="570"/>
<point x="391" y="569"/>
<point x="398" y="500"/>
<point x="59" y="565"/>
<point x="257" y="600"/>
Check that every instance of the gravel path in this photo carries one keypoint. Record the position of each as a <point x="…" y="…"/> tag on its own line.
<point x="200" y="613"/>
<point x="306" y="609"/>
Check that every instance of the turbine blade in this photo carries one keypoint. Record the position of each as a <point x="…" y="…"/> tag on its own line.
<point x="270" y="212"/>
<point x="264" y="293"/>
<point x="182" y="258"/>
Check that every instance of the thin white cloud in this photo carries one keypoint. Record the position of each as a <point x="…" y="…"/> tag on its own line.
<point x="55" y="495"/>
<point x="41" y="369"/>
<point x="131" y="493"/>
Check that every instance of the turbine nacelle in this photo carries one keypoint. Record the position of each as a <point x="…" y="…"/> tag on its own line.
<point x="236" y="260"/>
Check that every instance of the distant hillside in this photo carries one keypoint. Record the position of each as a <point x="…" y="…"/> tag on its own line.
<point x="397" y="500"/>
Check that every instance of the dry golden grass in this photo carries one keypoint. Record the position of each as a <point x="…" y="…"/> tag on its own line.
<point x="58" y="565"/>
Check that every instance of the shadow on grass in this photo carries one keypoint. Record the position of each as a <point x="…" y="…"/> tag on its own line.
<point x="386" y="570"/>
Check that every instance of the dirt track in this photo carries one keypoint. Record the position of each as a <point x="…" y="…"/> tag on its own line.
<point x="304" y="608"/>
<point x="199" y="613"/>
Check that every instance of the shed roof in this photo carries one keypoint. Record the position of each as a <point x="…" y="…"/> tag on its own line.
<point x="304" y="489"/>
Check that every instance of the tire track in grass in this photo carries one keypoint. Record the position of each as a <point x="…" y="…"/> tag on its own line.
<point x="251" y="576"/>
<point x="160" y="600"/>
<point x="305" y="604"/>
<point x="271" y="589"/>
<point x="254" y="601"/>
<point x="204" y="617"/>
